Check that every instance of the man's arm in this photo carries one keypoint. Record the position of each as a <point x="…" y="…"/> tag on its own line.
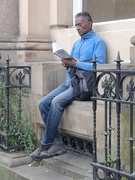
<point x="99" y="52"/>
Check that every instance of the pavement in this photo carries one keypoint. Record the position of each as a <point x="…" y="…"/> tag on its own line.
<point x="69" y="166"/>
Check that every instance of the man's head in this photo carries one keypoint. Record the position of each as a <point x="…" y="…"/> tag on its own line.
<point x="83" y="23"/>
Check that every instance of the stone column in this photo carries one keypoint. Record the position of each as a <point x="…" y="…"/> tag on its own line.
<point x="23" y="17"/>
<point x="38" y="18"/>
<point x="132" y="50"/>
<point x="35" y="42"/>
<point x="25" y="37"/>
<point x="9" y="18"/>
<point x="9" y="28"/>
<point x="24" y="31"/>
<point x="61" y="13"/>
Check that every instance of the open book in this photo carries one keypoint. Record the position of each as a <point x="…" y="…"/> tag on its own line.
<point x="59" y="51"/>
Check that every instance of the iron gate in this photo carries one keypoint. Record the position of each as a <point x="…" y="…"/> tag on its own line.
<point x="114" y="156"/>
<point x="12" y="78"/>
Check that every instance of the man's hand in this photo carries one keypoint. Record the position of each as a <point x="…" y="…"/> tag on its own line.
<point x="68" y="63"/>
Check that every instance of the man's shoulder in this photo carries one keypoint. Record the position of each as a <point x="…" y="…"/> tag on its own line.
<point x="77" y="41"/>
<point x="99" y="39"/>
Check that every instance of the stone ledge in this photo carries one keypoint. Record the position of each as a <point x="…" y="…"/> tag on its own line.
<point x="6" y="174"/>
<point x="14" y="159"/>
<point x="77" y="120"/>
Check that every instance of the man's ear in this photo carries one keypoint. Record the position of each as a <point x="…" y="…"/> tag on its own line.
<point x="90" y="24"/>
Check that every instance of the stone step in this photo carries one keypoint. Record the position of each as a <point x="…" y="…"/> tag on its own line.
<point x="70" y="166"/>
<point x="29" y="172"/>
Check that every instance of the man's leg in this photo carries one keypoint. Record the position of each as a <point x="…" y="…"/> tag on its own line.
<point x="57" y="107"/>
<point x="58" y="104"/>
<point x="44" y="107"/>
<point x="45" y="103"/>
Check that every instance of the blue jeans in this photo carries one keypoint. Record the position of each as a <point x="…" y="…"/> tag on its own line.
<point x="51" y="109"/>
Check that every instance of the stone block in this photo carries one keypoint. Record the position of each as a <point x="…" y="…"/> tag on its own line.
<point x="77" y="120"/>
<point x="14" y="159"/>
<point x="20" y="51"/>
<point x="46" y="77"/>
<point x="132" y="54"/>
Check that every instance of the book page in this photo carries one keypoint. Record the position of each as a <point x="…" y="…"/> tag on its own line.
<point x="59" y="51"/>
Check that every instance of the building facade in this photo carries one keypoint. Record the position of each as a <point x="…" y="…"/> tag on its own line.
<point x="28" y="28"/>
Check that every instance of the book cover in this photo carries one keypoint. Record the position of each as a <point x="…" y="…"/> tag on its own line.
<point x="59" y="51"/>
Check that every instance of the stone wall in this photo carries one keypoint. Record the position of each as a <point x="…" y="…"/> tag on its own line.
<point x="132" y="50"/>
<point x="9" y="18"/>
<point x="35" y="24"/>
<point x="116" y="34"/>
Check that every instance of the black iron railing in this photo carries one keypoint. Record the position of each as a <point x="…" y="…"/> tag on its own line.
<point x="12" y="80"/>
<point x="114" y="156"/>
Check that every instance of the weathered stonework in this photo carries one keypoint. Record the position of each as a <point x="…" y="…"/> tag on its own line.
<point x="132" y="49"/>
<point x="9" y="18"/>
<point x="27" y="29"/>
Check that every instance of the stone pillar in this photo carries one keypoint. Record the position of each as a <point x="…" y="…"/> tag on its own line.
<point x="61" y="13"/>
<point x="24" y="31"/>
<point x="132" y="50"/>
<point x="9" y="18"/>
<point x="38" y="18"/>
<point x="35" y="42"/>
<point x="23" y="17"/>
<point x="9" y="27"/>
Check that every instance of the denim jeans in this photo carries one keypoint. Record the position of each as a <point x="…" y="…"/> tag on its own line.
<point x="51" y="108"/>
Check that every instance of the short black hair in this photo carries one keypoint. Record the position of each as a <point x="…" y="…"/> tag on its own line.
<point x="84" y="14"/>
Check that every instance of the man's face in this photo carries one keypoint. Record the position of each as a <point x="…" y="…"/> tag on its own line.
<point x="83" y="26"/>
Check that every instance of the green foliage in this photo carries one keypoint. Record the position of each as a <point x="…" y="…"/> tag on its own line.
<point x="19" y="126"/>
<point x="37" y="163"/>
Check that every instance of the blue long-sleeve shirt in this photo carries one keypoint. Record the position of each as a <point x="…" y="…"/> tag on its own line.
<point x="84" y="49"/>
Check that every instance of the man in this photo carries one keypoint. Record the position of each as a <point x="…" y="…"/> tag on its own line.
<point x="52" y="105"/>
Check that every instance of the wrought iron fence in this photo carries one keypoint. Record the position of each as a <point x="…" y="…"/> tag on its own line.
<point x="13" y="79"/>
<point x="114" y="148"/>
